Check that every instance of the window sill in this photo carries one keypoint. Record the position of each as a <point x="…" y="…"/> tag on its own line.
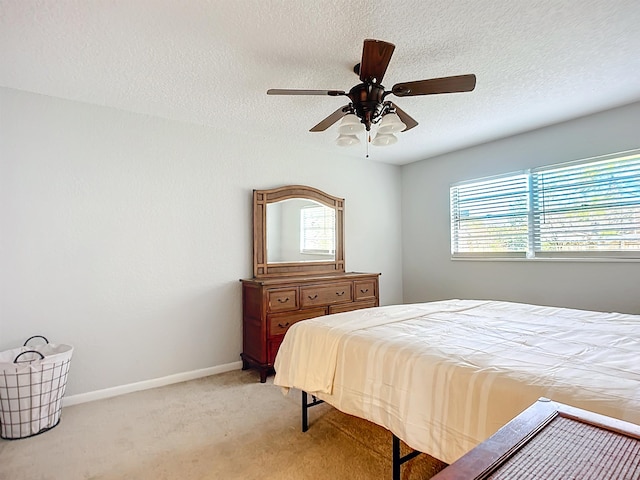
<point x="546" y="259"/>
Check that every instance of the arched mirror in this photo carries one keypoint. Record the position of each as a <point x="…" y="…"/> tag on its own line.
<point x="297" y="230"/>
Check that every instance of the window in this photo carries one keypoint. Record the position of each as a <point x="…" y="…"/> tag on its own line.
<point x="317" y="230"/>
<point x="491" y="216"/>
<point x="589" y="208"/>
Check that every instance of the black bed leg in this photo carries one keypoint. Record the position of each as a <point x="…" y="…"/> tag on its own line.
<point x="305" y="408"/>
<point x="396" y="458"/>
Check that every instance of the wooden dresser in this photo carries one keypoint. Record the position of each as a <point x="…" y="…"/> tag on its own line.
<point x="271" y="305"/>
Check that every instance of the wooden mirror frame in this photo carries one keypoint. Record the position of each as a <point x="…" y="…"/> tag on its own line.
<point x="261" y="267"/>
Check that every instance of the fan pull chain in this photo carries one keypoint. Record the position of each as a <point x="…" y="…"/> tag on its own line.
<point x="367" y="142"/>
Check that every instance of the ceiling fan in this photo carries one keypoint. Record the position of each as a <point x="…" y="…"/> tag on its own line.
<point x="367" y="104"/>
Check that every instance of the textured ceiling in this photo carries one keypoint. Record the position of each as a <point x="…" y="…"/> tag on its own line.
<point x="537" y="62"/>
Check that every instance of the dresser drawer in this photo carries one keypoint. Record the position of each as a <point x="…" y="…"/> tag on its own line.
<point x="273" y="347"/>
<point x="365" y="289"/>
<point x="280" y="323"/>
<point x="325" y="295"/>
<point x="282" y="300"/>
<point x="347" y="307"/>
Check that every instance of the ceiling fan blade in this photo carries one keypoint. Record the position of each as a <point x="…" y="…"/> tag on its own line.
<point x="330" y="120"/>
<point x="375" y="59"/>
<point x="459" y="83"/>
<point x="406" y="119"/>
<point x="283" y="91"/>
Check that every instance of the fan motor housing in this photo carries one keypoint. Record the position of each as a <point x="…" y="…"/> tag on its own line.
<point x="368" y="102"/>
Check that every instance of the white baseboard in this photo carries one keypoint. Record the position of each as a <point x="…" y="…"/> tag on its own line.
<point x="147" y="384"/>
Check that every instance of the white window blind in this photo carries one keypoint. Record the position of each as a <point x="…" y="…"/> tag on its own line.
<point x="317" y="230"/>
<point x="589" y="208"/>
<point x="490" y="217"/>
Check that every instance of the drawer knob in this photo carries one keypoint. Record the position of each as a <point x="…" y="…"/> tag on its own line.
<point x="339" y="293"/>
<point x="283" y="326"/>
<point x="283" y="300"/>
<point x="364" y="290"/>
<point x="313" y="297"/>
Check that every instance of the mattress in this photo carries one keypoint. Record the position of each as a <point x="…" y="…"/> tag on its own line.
<point x="444" y="376"/>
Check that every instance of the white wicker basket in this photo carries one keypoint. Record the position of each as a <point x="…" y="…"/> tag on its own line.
<point x="32" y="384"/>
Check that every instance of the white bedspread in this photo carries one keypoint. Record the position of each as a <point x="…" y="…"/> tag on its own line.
<point x="444" y="376"/>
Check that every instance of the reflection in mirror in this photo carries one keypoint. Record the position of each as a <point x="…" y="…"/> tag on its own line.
<point x="300" y="230"/>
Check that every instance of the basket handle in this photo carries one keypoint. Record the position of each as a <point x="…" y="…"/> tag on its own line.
<point x="35" y="336"/>
<point x="15" y="360"/>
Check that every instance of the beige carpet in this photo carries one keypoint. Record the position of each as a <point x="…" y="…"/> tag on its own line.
<point x="226" y="426"/>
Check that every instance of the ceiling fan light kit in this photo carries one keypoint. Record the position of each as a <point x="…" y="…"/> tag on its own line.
<point x="347" y="140"/>
<point x="350" y="124"/>
<point x="391" y="123"/>
<point x="384" y="139"/>
<point x="367" y="104"/>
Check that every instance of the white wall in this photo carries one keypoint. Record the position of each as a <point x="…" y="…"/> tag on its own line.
<point x="430" y="274"/>
<point x="125" y="235"/>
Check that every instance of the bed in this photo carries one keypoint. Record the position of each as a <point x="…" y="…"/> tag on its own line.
<point x="444" y="376"/>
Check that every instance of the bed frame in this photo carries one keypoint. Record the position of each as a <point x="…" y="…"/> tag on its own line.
<point x="397" y="458"/>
